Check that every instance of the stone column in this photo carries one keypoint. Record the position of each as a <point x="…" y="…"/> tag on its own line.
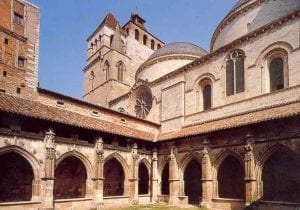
<point x="48" y="180"/>
<point x="134" y="176"/>
<point x="250" y="181"/>
<point x="174" y="181"/>
<point x="154" y="177"/>
<point x="207" y="181"/>
<point x="99" y="179"/>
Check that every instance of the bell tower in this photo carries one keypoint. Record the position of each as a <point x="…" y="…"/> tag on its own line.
<point x="113" y="56"/>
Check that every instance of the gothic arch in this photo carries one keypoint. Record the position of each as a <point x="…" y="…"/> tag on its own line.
<point x="185" y="160"/>
<point x="224" y="155"/>
<point x="278" y="174"/>
<point x="218" y="176"/>
<point x="266" y="154"/>
<point x="147" y="164"/>
<point x="34" y="163"/>
<point x="81" y="157"/>
<point x="121" y="160"/>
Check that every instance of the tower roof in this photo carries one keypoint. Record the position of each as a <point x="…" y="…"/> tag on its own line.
<point x="109" y="21"/>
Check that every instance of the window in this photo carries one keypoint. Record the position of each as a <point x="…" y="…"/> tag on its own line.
<point x="111" y="39"/>
<point x="206" y="97"/>
<point x="137" y="34"/>
<point x="106" y="69"/>
<point x="235" y="82"/>
<point x="18" y="19"/>
<point x="127" y="31"/>
<point x="206" y="94"/>
<point x="152" y="44"/>
<point x="6" y="41"/>
<point x="18" y="90"/>
<point x="21" y="62"/>
<point x="121" y="69"/>
<point x="4" y="73"/>
<point x="145" y="40"/>
<point x="276" y="74"/>
<point x="158" y="46"/>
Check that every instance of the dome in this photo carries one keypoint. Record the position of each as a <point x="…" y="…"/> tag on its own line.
<point x="168" y="59"/>
<point x="240" y="22"/>
<point x="181" y="48"/>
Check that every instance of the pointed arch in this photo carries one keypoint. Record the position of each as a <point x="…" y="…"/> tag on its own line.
<point x="86" y="162"/>
<point x="191" y="175"/>
<point x="279" y="173"/>
<point x="122" y="161"/>
<point x="17" y="174"/>
<point x="143" y="176"/>
<point x="35" y="165"/>
<point x="121" y="68"/>
<point x="115" y="172"/>
<point x="230" y="176"/>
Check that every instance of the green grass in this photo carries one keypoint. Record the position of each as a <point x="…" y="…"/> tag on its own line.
<point x="156" y="207"/>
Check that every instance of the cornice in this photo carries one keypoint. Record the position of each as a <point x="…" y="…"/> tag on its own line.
<point x="164" y="58"/>
<point x="230" y="46"/>
<point x="13" y="34"/>
<point x="232" y="16"/>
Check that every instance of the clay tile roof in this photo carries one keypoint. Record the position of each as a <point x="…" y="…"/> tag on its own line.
<point x="278" y="112"/>
<point x="34" y="109"/>
<point x="109" y="21"/>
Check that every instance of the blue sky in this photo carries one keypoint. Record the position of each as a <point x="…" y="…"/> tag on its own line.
<point x="65" y="25"/>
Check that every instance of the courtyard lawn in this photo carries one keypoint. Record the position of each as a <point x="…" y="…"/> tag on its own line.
<point x="155" y="207"/>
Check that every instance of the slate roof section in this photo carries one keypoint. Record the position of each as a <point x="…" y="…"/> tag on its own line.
<point x="279" y="112"/>
<point x="34" y="109"/>
<point x="178" y="48"/>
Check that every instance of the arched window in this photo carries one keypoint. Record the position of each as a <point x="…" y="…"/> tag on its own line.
<point x="206" y="94"/>
<point x="136" y="35"/>
<point x="152" y="44"/>
<point x="158" y="46"/>
<point x="276" y="74"/>
<point x="111" y="39"/>
<point x="145" y="40"/>
<point x="106" y="69"/>
<point x="121" y="69"/>
<point x="235" y="67"/>
<point x="207" y="97"/>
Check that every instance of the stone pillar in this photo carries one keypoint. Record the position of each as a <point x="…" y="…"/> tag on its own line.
<point x="174" y="181"/>
<point x="250" y="180"/>
<point x="134" y="175"/>
<point x="99" y="179"/>
<point x="207" y="181"/>
<point x="154" y="177"/>
<point x="36" y="186"/>
<point x="48" y="180"/>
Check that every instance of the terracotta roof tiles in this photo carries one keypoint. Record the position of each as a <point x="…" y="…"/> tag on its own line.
<point x="34" y="109"/>
<point x="278" y="112"/>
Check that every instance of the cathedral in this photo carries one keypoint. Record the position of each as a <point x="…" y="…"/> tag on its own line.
<point x="158" y="122"/>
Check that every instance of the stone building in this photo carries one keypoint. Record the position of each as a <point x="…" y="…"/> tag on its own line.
<point x="158" y="123"/>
